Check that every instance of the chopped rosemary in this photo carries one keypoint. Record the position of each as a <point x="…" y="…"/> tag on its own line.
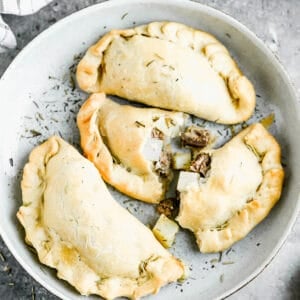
<point x="139" y="124"/>
<point x="227" y="262"/>
<point x="222" y="226"/>
<point x="150" y="62"/>
<point x="56" y="121"/>
<point x="72" y="83"/>
<point x="129" y="210"/>
<point x="214" y="260"/>
<point x="169" y="66"/>
<point x="227" y="252"/>
<point x="158" y="56"/>
<point x="220" y="256"/>
<point x="170" y="122"/>
<point x="35" y="133"/>
<point x="2" y="257"/>
<point x="124" y="16"/>
<point x="11" y="162"/>
<point x="32" y="293"/>
<point x="36" y="105"/>
<point x="128" y="201"/>
<point x="39" y="115"/>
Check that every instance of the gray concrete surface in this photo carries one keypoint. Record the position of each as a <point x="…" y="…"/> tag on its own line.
<point x="275" y="22"/>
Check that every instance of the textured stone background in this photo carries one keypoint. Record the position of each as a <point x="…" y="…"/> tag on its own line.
<point x="277" y="23"/>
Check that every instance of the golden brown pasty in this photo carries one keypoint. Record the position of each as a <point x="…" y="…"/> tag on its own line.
<point x="130" y="146"/>
<point x="77" y="228"/>
<point x="172" y="66"/>
<point x="242" y="182"/>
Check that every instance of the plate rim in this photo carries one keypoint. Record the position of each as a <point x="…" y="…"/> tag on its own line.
<point x="183" y="3"/>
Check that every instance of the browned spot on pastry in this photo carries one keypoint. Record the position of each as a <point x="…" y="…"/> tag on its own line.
<point x="69" y="255"/>
<point x="201" y="164"/>
<point x="195" y="136"/>
<point x="169" y="207"/>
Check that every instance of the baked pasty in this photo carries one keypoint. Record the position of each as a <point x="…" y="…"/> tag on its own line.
<point x="130" y="146"/>
<point x="242" y="182"/>
<point x="77" y="228"/>
<point x="172" y="66"/>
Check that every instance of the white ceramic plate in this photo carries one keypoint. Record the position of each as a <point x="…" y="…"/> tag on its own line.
<point x="38" y="99"/>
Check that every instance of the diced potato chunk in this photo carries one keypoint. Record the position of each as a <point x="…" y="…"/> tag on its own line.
<point x="165" y="231"/>
<point x="187" y="179"/>
<point x="182" y="160"/>
<point x="152" y="149"/>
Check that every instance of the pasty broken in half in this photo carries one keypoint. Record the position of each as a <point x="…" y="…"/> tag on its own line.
<point x="76" y="227"/>
<point x="130" y="146"/>
<point x="242" y="184"/>
<point x="172" y="66"/>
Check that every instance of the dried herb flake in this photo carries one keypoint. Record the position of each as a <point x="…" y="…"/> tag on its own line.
<point x="220" y="256"/>
<point x="2" y="257"/>
<point x="227" y="262"/>
<point x="11" y="162"/>
<point x="124" y="16"/>
<point x="150" y="62"/>
<point x="37" y="106"/>
<point x="139" y="124"/>
<point x="35" y="133"/>
<point x="33" y="293"/>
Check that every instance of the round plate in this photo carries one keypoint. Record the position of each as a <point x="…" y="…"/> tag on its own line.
<point x="39" y="99"/>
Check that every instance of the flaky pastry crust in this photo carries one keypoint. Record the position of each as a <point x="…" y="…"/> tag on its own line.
<point x="77" y="228"/>
<point x="244" y="183"/>
<point x="114" y="137"/>
<point x="169" y="65"/>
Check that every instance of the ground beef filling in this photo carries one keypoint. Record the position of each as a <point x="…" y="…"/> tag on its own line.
<point x="169" y="207"/>
<point x="201" y="164"/>
<point x="195" y="136"/>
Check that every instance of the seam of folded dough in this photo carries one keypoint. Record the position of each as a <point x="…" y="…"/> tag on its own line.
<point x="90" y="68"/>
<point x="147" y="186"/>
<point x="154" y="272"/>
<point x="263" y="145"/>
